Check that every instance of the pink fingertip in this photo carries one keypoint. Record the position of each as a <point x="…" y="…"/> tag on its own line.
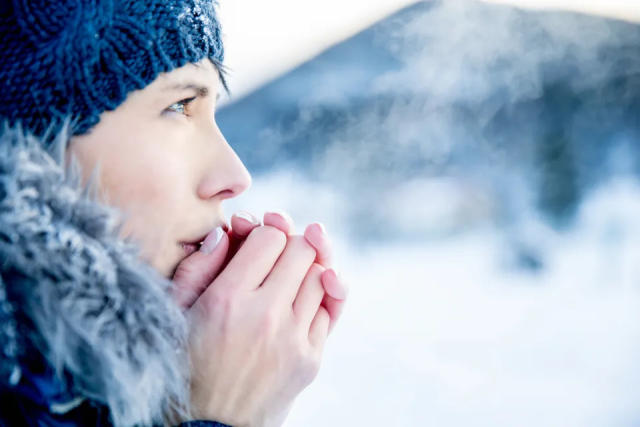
<point x="212" y="241"/>
<point x="279" y="220"/>
<point x="247" y="217"/>
<point x="242" y="223"/>
<point x="316" y="236"/>
<point x="333" y="286"/>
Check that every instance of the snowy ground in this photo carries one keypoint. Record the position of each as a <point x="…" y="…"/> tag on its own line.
<point x="445" y="332"/>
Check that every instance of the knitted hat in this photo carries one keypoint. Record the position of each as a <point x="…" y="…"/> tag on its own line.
<point x="64" y="60"/>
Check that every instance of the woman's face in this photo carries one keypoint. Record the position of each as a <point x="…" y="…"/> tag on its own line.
<point x="164" y="163"/>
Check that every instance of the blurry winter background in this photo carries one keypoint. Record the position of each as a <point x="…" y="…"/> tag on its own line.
<point x="477" y="165"/>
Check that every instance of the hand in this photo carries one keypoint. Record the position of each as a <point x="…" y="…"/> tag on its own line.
<point x="236" y="380"/>
<point x="258" y="331"/>
<point x="194" y="274"/>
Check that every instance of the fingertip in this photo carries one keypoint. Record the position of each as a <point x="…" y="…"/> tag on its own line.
<point x="315" y="229"/>
<point x="316" y="235"/>
<point x="194" y="273"/>
<point x="247" y="216"/>
<point x="242" y="223"/>
<point x="333" y="285"/>
<point x="323" y="229"/>
<point x="212" y="242"/>
<point x="279" y="220"/>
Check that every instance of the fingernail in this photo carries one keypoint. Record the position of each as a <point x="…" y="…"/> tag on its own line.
<point x="247" y="216"/>
<point x="281" y="214"/>
<point x="280" y="220"/>
<point x="212" y="240"/>
<point x="312" y="236"/>
<point x="336" y="289"/>
<point x="284" y="215"/>
<point x="318" y="227"/>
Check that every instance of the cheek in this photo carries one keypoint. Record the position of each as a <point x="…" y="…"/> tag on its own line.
<point x="152" y="193"/>
<point x="145" y="186"/>
<point x="147" y="174"/>
<point x="151" y="186"/>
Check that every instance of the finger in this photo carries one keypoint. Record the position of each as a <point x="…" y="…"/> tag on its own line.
<point x="242" y="223"/>
<point x="333" y="286"/>
<point x="309" y="297"/>
<point x="194" y="274"/>
<point x="290" y="270"/>
<point x="317" y="237"/>
<point x="279" y="220"/>
<point x="336" y="294"/>
<point x="319" y="329"/>
<point x="254" y="260"/>
<point x="334" y="307"/>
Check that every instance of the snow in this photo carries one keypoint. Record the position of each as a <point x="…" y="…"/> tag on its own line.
<point x="445" y="331"/>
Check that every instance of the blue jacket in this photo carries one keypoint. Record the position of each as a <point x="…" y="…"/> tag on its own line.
<point x="39" y="399"/>
<point x="88" y="332"/>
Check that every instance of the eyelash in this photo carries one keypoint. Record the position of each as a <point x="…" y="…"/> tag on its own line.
<point x="181" y="104"/>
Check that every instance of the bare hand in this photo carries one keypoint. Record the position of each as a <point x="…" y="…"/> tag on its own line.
<point x="258" y="330"/>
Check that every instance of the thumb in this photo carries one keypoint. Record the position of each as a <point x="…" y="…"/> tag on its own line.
<point x="194" y="274"/>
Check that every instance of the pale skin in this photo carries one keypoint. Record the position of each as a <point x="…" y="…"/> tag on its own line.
<point x="260" y="300"/>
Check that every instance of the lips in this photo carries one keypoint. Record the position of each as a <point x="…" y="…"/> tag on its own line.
<point x="191" y="247"/>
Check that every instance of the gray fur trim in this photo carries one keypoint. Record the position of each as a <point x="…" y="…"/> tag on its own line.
<point x="95" y="309"/>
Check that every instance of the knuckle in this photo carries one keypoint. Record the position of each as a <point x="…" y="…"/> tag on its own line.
<point x="308" y="368"/>
<point x="305" y="361"/>
<point x="323" y="316"/>
<point x="300" y="244"/>
<point x="221" y="303"/>
<point x="316" y="270"/>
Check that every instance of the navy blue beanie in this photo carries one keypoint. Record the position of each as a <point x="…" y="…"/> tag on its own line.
<point x="71" y="60"/>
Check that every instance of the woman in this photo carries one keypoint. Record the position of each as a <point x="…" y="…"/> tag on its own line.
<point x="125" y="298"/>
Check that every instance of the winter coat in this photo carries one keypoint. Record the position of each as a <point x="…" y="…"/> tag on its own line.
<point x="88" y="332"/>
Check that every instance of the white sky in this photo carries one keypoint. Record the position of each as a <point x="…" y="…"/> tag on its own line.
<point x="267" y="38"/>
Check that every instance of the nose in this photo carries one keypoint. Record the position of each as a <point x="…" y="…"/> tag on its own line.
<point x="226" y="176"/>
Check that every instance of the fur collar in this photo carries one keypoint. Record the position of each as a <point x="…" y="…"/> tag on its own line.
<point x="79" y="295"/>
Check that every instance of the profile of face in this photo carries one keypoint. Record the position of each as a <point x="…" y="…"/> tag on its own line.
<point x="163" y="162"/>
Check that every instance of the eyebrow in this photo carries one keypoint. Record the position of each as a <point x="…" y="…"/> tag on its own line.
<point x="201" y="90"/>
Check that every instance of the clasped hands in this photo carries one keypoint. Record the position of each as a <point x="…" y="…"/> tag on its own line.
<point x="260" y="302"/>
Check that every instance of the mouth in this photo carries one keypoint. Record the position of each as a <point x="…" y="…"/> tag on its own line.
<point x="190" y="248"/>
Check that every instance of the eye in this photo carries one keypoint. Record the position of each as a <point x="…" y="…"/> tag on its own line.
<point x="180" y="107"/>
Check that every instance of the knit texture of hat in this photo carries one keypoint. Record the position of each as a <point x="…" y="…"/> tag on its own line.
<point x="71" y="60"/>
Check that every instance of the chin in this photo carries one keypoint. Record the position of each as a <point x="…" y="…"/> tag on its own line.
<point x="166" y="266"/>
<point x="165" y="270"/>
